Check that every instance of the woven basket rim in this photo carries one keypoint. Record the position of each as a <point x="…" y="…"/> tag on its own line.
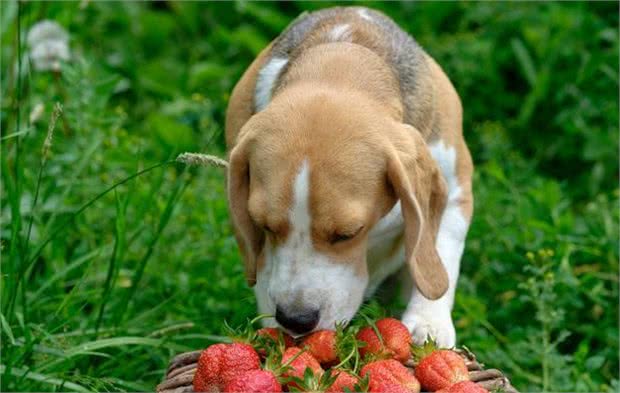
<point x="180" y="373"/>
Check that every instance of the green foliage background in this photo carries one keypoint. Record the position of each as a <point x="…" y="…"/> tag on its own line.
<point x="99" y="292"/>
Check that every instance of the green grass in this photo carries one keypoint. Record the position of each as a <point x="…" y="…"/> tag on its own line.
<point x="114" y="258"/>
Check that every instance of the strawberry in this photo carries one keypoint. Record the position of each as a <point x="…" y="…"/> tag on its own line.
<point x="390" y="376"/>
<point x="220" y="363"/>
<point x="333" y="380"/>
<point x="265" y="340"/>
<point x="322" y="346"/>
<point x="255" y="381"/>
<point x="276" y="335"/>
<point x="464" y="387"/>
<point x="344" y="380"/>
<point x="394" y="340"/>
<point x="298" y="361"/>
<point x="438" y="369"/>
<point x="270" y="340"/>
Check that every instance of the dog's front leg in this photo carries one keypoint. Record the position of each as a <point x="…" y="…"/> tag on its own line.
<point x="433" y="318"/>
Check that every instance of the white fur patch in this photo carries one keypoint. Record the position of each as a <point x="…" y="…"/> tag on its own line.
<point x="266" y="79"/>
<point x="364" y="14"/>
<point x="453" y="226"/>
<point x="341" y="32"/>
<point x="446" y="160"/>
<point x="433" y="317"/>
<point x="296" y="275"/>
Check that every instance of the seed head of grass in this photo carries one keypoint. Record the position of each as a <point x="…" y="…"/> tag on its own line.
<point x="198" y="159"/>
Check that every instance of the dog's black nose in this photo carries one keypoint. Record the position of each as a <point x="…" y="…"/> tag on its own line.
<point x="298" y="322"/>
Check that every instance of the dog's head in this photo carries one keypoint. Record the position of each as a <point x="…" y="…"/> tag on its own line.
<point x="308" y="179"/>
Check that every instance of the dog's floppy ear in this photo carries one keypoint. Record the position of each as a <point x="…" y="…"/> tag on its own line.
<point x="249" y="237"/>
<point x="416" y="181"/>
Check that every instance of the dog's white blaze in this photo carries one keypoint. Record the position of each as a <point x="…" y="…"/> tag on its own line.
<point x="267" y="77"/>
<point x="364" y="14"/>
<point x="300" y="211"/>
<point x="432" y="317"/>
<point x="341" y="32"/>
<point x="296" y="275"/>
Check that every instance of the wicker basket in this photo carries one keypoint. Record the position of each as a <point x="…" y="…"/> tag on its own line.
<point x="180" y="374"/>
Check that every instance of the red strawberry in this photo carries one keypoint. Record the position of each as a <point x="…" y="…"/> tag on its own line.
<point x="275" y="335"/>
<point x="255" y="381"/>
<point x="343" y="380"/>
<point x="220" y="363"/>
<point x="298" y="363"/>
<point x="439" y="369"/>
<point x="322" y="346"/>
<point x="464" y="387"/>
<point x="333" y="381"/>
<point x="390" y="376"/>
<point x="396" y="339"/>
<point x="269" y="340"/>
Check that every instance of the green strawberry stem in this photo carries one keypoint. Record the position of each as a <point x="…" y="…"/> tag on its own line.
<point x="347" y="345"/>
<point x="291" y="360"/>
<point x="312" y="383"/>
<point x="419" y="352"/>
<point x="259" y="317"/>
<point x="373" y="326"/>
<point x="345" y="360"/>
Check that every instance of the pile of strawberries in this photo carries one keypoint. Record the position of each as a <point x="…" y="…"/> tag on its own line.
<point x="368" y="358"/>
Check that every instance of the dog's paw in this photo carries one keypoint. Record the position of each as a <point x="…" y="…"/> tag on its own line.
<point x="437" y="326"/>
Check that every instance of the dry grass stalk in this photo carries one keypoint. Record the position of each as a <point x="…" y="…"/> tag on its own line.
<point x="47" y="144"/>
<point x="198" y="159"/>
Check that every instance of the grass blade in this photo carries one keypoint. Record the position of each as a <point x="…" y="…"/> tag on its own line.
<point x="47" y="145"/>
<point x="7" y="328"/>
<point x="525" y="61"/>
<point x="10" y="286"/>
<point x="163" y="221"/>
<point x="79" y="168"/>
<point x="86" y="349"/>
<point x="88" y="204"/>
<point x="17" y="134"/>
<point x="62" y="273"/>
<point x="119" y="246"/>
<point x="20" y="372"/>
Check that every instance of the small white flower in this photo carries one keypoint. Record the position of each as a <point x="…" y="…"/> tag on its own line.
<point x="46" y="30"/>
<point x="48" y="56"/>
<point x="49" y="45"/>
<point x="36" y="113"/>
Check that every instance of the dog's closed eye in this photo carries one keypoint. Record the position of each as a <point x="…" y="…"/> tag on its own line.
<point x="340" y="237"/>
<point x="275" y="230"/>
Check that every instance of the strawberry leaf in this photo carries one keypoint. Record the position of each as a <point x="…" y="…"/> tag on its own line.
<point x="362" y="384"/>
<point x="419" y="352"/>
<point x="347" y="347"/>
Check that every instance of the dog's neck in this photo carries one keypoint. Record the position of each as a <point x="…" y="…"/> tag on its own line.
<point x="346" y="67"/>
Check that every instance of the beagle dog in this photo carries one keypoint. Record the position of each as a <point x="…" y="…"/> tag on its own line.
<point x="347" y="162"/>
